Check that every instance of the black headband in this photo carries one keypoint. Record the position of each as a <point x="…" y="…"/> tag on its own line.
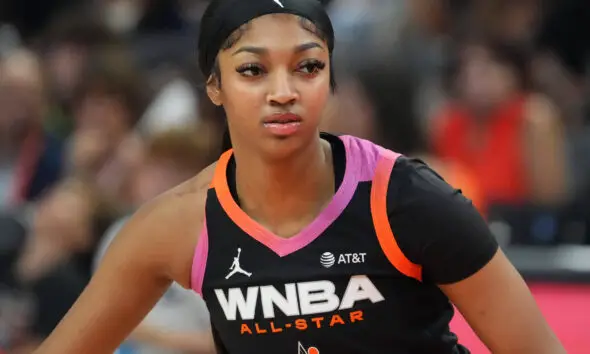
<point x="223" y="17"/>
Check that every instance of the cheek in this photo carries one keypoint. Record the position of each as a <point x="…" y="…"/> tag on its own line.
<point x="314" y="99"/>
<point x="243" y="102"/>
<point x="244" y="94"/>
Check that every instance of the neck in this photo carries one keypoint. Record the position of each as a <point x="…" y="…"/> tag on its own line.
<point x="286" y="195"/>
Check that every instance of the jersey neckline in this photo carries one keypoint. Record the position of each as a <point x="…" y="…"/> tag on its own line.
<point x="280" y="245"/>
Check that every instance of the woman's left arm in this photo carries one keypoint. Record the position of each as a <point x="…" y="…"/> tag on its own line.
<point x="499" y="307"/>
<point x="457" y="251"/>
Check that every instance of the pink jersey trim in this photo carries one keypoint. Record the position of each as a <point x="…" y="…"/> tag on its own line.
<point x="285" y="246"/>
<point x="366" y="156"/>
<point x="200" y="260"/>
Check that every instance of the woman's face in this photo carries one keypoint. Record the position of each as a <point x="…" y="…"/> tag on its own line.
<point x="275" y="83"/>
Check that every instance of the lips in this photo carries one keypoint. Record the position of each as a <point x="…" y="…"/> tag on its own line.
<point x="283" y="125"/>
<point x="282" y="118"/>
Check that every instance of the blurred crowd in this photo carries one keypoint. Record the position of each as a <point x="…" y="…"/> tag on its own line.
<point x="102" y="108"/>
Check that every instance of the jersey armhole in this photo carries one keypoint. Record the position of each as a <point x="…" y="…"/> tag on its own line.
<point x="387" y="240"/>
<point x="200" y="260"/>
<point x="201" y="253"/>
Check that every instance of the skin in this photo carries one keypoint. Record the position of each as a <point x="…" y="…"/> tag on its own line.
<point x="163" y="233"/>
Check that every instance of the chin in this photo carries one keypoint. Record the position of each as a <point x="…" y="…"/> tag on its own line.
<point x="282" y="148"/>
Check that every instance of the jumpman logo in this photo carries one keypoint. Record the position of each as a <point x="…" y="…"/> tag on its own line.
<point x="236" y="268"/>
<point x="278" y="2"/>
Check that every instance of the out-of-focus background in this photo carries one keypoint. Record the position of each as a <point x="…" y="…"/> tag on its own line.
<point x="102" y="108"/>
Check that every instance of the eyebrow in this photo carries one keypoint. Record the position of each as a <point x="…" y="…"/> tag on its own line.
<point x="261" y="51"/>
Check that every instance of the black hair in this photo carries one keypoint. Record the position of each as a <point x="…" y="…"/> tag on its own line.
<point x="225" y="21"/>
<point x="226" y="140"/>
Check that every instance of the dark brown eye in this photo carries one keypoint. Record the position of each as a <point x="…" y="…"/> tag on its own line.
<point x="250" y="70"/>
<point x="312" y="67"/>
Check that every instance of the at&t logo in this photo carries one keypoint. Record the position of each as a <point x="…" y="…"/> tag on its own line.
<point x="328" y="259"/>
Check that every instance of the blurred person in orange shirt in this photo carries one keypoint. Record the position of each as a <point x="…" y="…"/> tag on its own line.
<point x="378" y="104"/>
<point x="496" y="126"/>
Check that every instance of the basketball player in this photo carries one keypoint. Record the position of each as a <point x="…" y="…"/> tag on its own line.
<point x="342" y="246"/>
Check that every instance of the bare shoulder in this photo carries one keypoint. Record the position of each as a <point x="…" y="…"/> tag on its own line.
<point x="183" y="203"/>
<point x="170" y="226"/>
<point x="154" y="248"/>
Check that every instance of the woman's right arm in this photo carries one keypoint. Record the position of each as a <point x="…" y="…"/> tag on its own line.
<point x="152" y="249"/>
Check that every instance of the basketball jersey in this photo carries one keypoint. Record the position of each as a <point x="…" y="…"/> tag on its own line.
<point x="342" y="285"/>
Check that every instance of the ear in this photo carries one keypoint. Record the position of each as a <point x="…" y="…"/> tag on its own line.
<point x="214" y="90"/>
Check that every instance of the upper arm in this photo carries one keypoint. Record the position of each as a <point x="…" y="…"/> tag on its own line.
<point x="499" y="307"/>
<point x="106" y="241"/>
<point x="435" y="226"/>
<point x="456" y="250"/>
<point x="150" y="252"/>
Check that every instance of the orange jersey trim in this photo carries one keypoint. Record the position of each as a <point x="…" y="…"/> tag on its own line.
<point x="230" y="206"/>
<point x="381" y="223"/>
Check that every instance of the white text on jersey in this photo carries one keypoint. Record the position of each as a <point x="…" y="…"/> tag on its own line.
<point x="305" y="298"/>
<point x="348" y="258"/>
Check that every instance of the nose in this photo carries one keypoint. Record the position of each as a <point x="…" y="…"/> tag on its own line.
<point x="282" y="89"/>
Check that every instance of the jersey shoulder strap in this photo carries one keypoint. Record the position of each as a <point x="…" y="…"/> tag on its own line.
<point x="387" y="240"/>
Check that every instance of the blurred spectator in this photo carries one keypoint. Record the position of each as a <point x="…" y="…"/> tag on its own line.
<point x="30" y="158"/>
<point x="31" y="16"/>
<point x="142" y="17"/>
<point x="170" y="158"/>
<point x="564" y="33"/>
<point x="11" y="244"/>
<point x="9" y="40"/>
<point x="72" y="38"/>
<point x="509" y="136"/>
<point x="107" y="104"/>
<point x="418" y="44"/>
<point x="56" y="260"/>
<point x="513" y="21"/>
<point x="561" y="71"/>
<point x="379" y="104"/>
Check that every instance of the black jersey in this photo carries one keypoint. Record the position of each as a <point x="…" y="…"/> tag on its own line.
<point x="361" y="278"/>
